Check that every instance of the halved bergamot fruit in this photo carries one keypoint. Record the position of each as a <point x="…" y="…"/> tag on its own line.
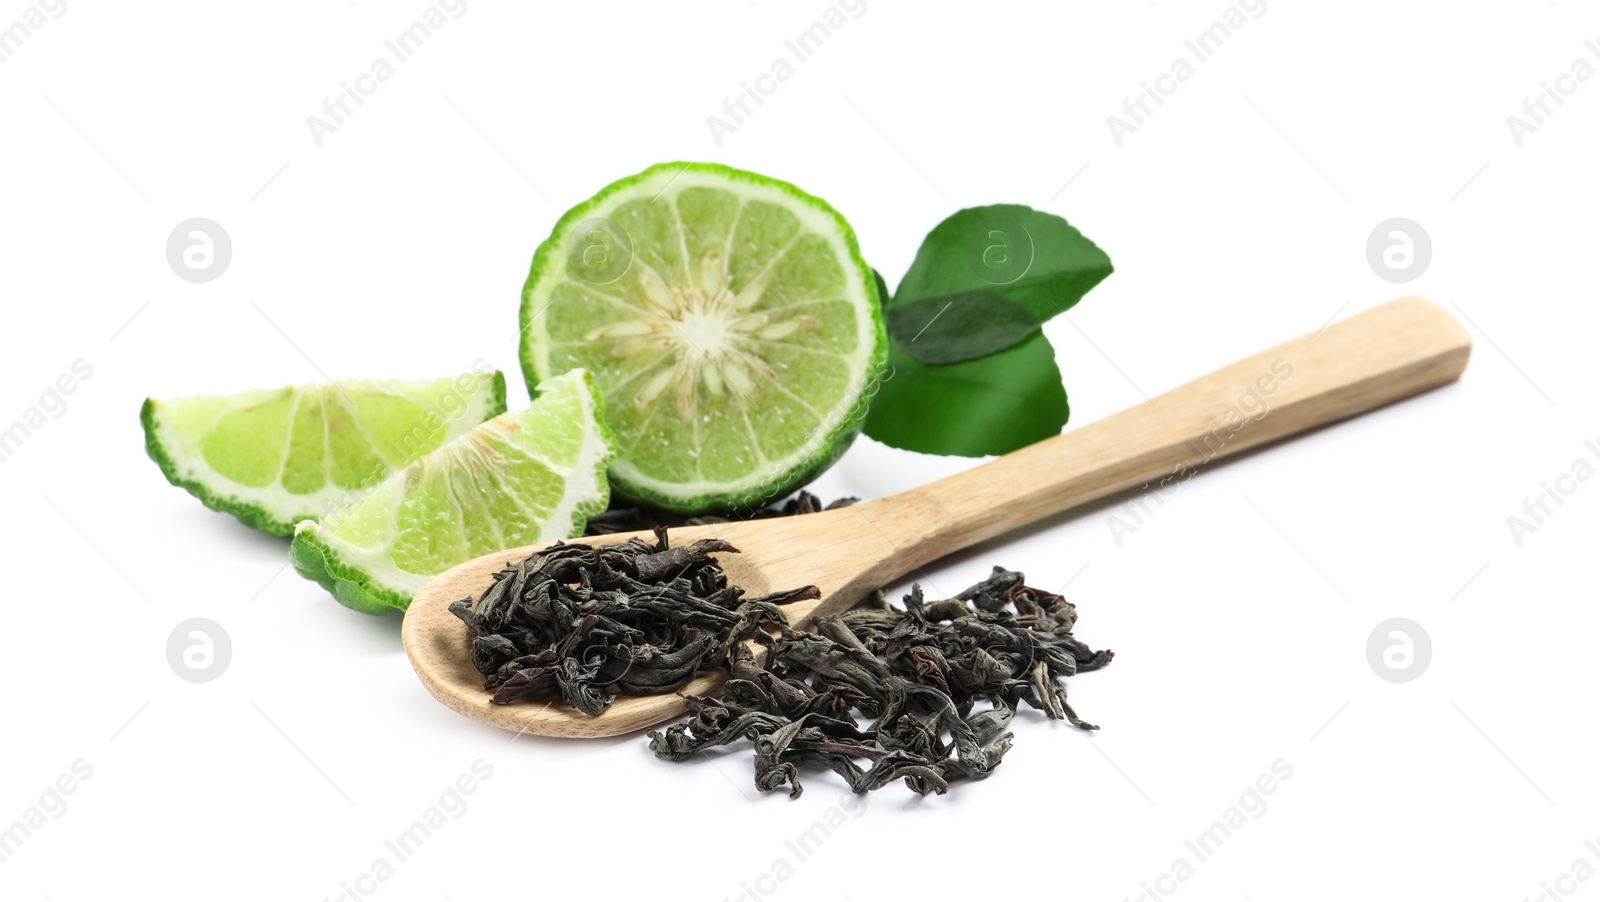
<point x="730" y="322"/>
<point x="532" y="476"/>
<point x="277" y="456"/>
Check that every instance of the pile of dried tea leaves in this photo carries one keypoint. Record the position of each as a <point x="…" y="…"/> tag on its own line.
<point x="916" y="674"/>
<point x="580" y="622"/>
<point x="922" y="694"/>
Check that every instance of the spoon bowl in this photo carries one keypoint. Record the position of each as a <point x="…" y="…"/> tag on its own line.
<point x="439" y="645"/>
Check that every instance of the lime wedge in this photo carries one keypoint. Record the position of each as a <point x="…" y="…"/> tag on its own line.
<point x="275" y="457"/>
<point x="521" y="478"/>
<point x="730" y="322"/>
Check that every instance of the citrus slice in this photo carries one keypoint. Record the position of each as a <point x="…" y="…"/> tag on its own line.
<point x="730" y="322"/>
<point x="521" y="478"/>
<point x="275" y="457"/>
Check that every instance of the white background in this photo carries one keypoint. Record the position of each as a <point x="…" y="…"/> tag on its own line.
<point x="1237" y="217"/>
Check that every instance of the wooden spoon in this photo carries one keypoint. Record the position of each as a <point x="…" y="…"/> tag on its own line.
<point x="1364" y="362"/>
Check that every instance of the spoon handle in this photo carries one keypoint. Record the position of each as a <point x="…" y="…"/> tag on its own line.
<point x="1362" y="363"/>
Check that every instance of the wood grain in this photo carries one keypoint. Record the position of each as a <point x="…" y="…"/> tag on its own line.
<point x="1359" y="364"/>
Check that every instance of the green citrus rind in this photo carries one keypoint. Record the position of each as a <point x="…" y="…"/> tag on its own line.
<point x="214" y="491"/>
<point x="316" y="561"/>
<point x="762" y="488"/>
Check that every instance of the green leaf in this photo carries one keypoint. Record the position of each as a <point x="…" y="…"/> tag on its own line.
<point x="992" y="405"/>
<point x="1033" y="259"/>
<point x="959" y="327"/>
<point x="985" y="382"/>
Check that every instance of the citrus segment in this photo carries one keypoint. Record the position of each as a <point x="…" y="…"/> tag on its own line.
<point x="519" y="479"/>
<point x="278" y="456"/>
